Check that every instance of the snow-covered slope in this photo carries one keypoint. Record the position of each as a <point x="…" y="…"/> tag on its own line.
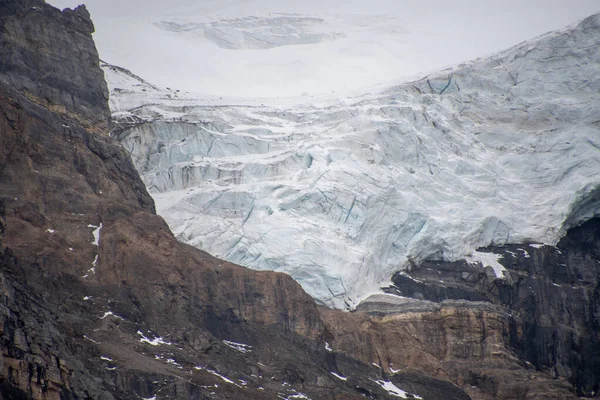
<point x="342" y="193"/>
<point x="285" y="48"/>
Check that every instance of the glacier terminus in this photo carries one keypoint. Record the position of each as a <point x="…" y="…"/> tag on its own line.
<point x="342" y="192"/>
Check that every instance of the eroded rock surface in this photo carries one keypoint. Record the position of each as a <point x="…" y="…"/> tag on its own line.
<point x="544" y="309"/>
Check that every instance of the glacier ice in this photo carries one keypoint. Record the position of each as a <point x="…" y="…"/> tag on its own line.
<point x="341" y="193"/>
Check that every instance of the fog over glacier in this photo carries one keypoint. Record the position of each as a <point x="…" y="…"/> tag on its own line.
<point x="265" y="48"/>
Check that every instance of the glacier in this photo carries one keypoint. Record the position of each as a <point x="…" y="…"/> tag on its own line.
<point x="341" y="192"/>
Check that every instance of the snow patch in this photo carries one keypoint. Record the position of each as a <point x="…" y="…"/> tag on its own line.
<point x="293" y="396"/>
<point x="96" y="233"/>
<point x="242" y="348"/>
<point x="328" y="347"/>
<point x="525" y="253"/>
<point x="343" y="378"/>
<point x="488" y="259"/>
<point x="90" y="339"/>
<point x="157" y="341"/>
<point x="50" y="230"/>
<point x="110" y="314"/>
<point x="395" y="391"/>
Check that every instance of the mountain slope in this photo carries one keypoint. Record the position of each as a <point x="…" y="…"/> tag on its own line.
<point x="99" y="301"/>
<point x="342" y="194"/>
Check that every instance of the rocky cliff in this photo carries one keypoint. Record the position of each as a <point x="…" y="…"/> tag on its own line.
<point x="99" y="301"/>
<point x="546" y="304"/>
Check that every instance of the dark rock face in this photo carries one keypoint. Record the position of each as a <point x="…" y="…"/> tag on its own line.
<point x="50" y="57"/>
<point x="549" y="298"/>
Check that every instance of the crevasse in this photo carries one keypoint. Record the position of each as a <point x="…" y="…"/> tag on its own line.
<point x="342" y="193"/>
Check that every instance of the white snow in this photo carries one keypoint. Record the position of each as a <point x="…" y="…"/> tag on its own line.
<point x="273" y="48"/>
<point x="170" y="361"/>
<point x="394" y="390"/>
<point x="488" y="259"/>
<point x="536" y="245"/>
<point x="90" y="339"/>
<point x="343" y="192"/>
<point x="242" y="348"/>
<point x="96" y="233"/>
<point x="50" y="230"/>
<point x="86" y="298"/>
<point x="525" y="253"/>
<point x="343" y="378"/>
<point x="111" y="314"/>
<point x="328" y="347"/>
<point x="106" y="358"/>
<point x="157" y="341"/>
<point x="215" y="373"/>
<point x="293" y="396"/>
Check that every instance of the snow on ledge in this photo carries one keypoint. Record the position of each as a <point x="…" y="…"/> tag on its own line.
<point x="395" y="390"/>
<point x="536" y="245"/>
<point x="342" y="378"/>
<point x="488" y="259"/>
<point x="110" y="313"/>
<point x="242" y="348"/>
<point x="96" y="233"/>
<point x="157" y="341"/>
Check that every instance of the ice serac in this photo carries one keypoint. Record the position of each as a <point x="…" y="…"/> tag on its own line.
<point x="343" y="193"/>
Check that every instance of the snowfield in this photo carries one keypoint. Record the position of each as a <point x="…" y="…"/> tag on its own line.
<point x="269" y="48"/>
<point x="340" y="193"/>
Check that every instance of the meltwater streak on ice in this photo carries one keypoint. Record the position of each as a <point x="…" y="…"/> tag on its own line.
<point x="341" y="194"/>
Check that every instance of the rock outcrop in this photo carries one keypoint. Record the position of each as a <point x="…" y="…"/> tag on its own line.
<point x="98" y="300"/>
<point x="546" y="306"/>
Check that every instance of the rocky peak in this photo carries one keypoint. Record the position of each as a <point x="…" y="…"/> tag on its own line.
<point x="50" y="56"/>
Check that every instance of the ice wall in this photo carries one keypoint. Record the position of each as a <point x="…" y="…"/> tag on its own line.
<point x="341" y="194"/>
